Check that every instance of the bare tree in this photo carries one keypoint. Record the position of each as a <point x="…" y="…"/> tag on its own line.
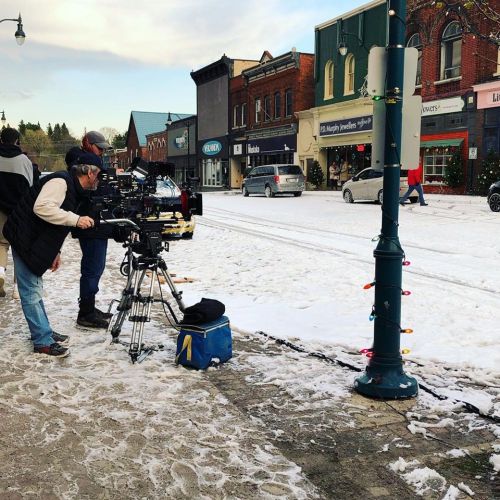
<point x="109" y="133"/>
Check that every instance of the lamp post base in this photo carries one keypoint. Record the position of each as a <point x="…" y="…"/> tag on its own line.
<point x="387" y="381"/>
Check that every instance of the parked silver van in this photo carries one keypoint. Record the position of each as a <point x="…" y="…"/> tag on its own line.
<point x="274" y="179"/>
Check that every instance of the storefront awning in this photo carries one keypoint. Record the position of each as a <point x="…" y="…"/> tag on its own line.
<point x="441" y="143"/>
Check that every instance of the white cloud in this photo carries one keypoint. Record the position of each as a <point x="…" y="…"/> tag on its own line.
<point x="172" y="33"/>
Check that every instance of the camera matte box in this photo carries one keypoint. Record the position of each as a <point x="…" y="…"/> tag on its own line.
<point x="199" y="345"/>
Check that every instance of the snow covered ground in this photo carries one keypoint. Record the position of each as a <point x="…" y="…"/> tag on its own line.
<point x="292" y="267"/>
<point x="295" y="267"/>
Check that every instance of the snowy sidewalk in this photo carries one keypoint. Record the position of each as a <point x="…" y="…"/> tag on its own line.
<point x="271" y="423"/>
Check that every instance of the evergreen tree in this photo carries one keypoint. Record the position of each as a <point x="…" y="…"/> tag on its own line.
<point x="22" y="127"/>
<point x="50" y="131"/>
<point x="64" y="131"/>
<point x="454" y="171"/>
<point x="490" y="172"/>
<point x="56" y="134"/>
<point x="120" y="141"/>
<point x="315" y="174"/>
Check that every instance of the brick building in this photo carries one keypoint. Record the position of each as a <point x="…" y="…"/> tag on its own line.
<point x="156" y="144"/>
<point x="456" y="53"/>
<point x="264" y="100"/>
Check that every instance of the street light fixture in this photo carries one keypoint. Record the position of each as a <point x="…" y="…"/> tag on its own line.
<point x="19" y="34"/>
<point x="342" y="46"/>
<point x="3" y="120"/>
<point x="169" y="120"/>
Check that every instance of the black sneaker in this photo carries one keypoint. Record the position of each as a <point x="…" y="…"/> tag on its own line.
<point x="54" y="349"/>
<point x="92" y="320"/>
<point x="102" y="314"/>
<point x="423" y="204"/>
<point x="60" y="339"/>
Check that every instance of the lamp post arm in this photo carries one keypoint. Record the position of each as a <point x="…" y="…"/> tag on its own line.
<point x="8" y="19"/>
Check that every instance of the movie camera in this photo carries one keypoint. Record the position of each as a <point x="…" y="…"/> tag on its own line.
<point x="146" y="195"/>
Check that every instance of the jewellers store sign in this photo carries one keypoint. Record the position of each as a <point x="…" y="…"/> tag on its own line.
<point x="348" y="126"/>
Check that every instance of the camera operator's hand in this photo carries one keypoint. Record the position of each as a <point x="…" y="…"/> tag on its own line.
<point x="56" y="263"/>
<point x="85" y="222"/>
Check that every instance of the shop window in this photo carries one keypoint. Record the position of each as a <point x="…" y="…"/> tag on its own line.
<point x="416" y="42"/>
<point x="451" y="51"/>
<point x="267" y="108"/>
<point x="212" y="172"/>
<point x="328" y="80"/>
<point x="435" y="161"/>
<point x="288" y="102"/>
<point x="350" y="64"/>
<point x="257" y="110"/>
<point x="277" y="105"/>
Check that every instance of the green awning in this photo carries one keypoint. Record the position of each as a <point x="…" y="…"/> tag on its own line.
<point x="441" y="143"/>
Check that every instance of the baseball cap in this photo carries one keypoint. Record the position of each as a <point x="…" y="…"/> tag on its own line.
<point x="98" y="139"/>
<point x="86" y="158"/>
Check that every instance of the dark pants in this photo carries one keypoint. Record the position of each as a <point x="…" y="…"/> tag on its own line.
<point x="92" y="266"/>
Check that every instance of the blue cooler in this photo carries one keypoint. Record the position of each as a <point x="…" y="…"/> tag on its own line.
<point x="198" y="345"/>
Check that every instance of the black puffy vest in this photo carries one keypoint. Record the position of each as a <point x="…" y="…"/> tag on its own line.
<point x="36" y="241"/>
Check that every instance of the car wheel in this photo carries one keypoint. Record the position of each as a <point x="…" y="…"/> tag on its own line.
<point x="187" y="236"/>
<point x="494" y="202"/>
<point x="244" y="190"/>
<point x="298" y="193"/>
<point x="380" y="196"/>
<point x="348" y="196"/>
<point x="268" y="192"/>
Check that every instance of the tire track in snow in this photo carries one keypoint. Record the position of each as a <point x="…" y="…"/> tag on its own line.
<point x="317" y="247"/>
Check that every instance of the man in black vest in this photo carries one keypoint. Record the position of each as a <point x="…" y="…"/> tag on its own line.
<point x="36" y="230"/>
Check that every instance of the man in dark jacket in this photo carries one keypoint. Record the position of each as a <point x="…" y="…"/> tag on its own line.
<point x="36" y="230"/>
<point x="94" y="245"/>
<point x="16" y="177"/>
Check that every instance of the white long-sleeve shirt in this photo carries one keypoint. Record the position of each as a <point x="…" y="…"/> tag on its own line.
<point x="48" y="204"/>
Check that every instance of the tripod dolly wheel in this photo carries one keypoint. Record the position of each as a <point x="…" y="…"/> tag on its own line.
<point x="125" y="269"/>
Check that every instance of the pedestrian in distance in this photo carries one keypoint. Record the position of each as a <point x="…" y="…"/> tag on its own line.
<point x="344" y="173"/>
<point x="93" y="244"/>
<point x="333" y="174"/>
<point x="36" y="229"/>
<point x="414" y="184"/>
<point x="16" y="177"/>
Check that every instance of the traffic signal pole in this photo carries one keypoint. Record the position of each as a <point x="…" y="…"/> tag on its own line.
<point x="384" y="376"/>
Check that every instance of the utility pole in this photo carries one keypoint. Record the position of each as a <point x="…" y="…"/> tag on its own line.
<point x="384" y="376"/>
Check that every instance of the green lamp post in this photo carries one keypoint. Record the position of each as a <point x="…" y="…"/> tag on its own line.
<point x="384" y="376"/>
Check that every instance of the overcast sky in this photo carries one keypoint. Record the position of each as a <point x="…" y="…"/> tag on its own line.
<point x="88" y="63"/>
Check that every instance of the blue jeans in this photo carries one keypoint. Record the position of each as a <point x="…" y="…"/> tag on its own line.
<point x="30" y="288"/>
<point x="92" y="265"/>
<point x="418" y="189"/>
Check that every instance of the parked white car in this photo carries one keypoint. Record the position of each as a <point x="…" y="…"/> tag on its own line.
<point x="368" y="185"/>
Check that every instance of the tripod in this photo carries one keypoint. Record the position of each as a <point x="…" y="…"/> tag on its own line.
<point x="142" y="271"/>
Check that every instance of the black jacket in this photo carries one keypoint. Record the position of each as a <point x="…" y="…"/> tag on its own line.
<point x="16" y="176"/>
<point x="36" y="241"/>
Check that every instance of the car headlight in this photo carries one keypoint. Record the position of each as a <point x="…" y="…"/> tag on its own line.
<point x="492" y="186"/>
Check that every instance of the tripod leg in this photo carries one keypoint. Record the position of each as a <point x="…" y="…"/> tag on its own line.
<point x="141" y="312"/>
<point x="124" y="306"/>
<point x="168" y="279"/>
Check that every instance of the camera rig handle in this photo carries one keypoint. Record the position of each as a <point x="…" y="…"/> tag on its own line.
<point x="122" y="223"/>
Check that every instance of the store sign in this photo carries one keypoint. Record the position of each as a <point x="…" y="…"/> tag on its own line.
<point x="473" y="153"/>
<point x="348" y="126"/>
<point x="212" y="148"/>
<point x="181" y="141"/>
<point x="488" y="99"/>
<point x="442" y="106"/>
<point x="238" y="149"/>
<point x="272" y="144"/>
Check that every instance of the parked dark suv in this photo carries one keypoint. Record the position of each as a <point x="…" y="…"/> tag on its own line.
<point x="494" y="197"/>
